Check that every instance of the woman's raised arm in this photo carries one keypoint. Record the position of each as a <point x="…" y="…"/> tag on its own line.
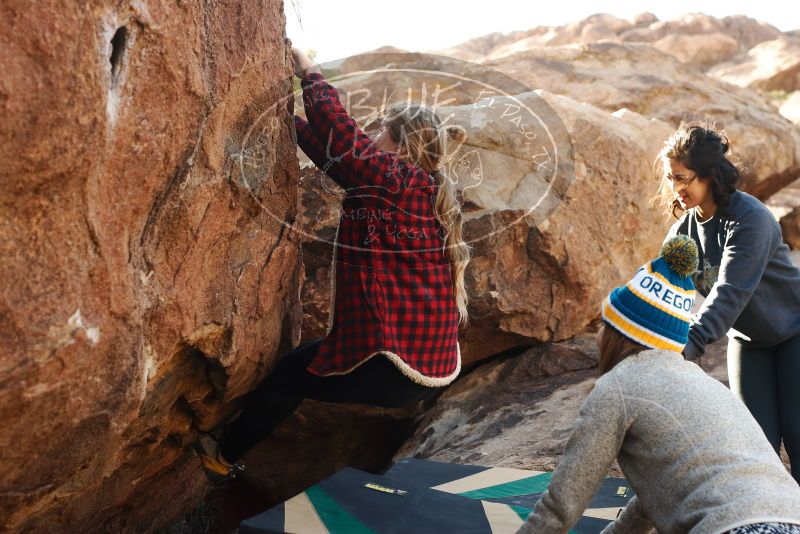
<point x="315" y="150"/>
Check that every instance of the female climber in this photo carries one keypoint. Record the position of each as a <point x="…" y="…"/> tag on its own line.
<point x="691" y="451"/>
<point x="751" y="287"/>
<point x="399" y="259"/>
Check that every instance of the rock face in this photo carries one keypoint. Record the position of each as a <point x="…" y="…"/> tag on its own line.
<point x="541" y="278"/>
<point x="790" y="226"/>
<point x="695" y="38"/>
<point x="531" y="283"/>
<point x="769" y="66"/>
<point x="513" y="412"/>
<point x="746" y="31"/>
<point x="702" y="51"/>
<point x="519" y="412"/>
<point x="737" y="50"/>
<point x="320" y="200"/>
<point x="634" y="76"/>
<point x="149" y="270"/>
<point x="749" y="32"/>
<point x="543" y="251"/>
<point x="790" y="108"/>
<point x="785" y="205"/>
<point x="640" y="78"/>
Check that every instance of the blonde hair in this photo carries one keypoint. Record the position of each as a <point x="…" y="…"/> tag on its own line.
<point x="423" y="140"/>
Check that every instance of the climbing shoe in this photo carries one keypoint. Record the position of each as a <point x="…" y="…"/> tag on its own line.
<point x="216" y="468"/>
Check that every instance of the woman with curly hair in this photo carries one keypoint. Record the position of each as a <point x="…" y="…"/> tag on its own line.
<point x="751" y="287"/>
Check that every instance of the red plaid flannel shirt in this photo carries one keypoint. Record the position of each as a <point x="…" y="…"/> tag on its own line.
<point x="392" y="292"/>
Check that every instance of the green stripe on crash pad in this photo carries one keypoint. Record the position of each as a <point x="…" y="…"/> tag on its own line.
<point x="521" y="511"/>
<point x="525" y="486"/>
<point x="335" y="518"/>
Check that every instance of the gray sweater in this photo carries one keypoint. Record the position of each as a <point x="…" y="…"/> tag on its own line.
<point x="691" y="451"/>
<point x="750" y="284"/>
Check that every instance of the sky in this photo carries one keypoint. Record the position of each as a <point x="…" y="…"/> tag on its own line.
<point x="336" y="30"/>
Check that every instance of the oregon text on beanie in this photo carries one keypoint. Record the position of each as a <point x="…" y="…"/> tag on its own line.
<point x="654" y="308"/>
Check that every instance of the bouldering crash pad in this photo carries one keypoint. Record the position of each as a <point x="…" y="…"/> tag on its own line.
<point x="424" y="496"/>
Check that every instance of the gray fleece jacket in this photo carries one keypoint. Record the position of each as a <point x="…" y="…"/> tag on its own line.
<point x="752" y="289"/>
<point x="696" y="458"/>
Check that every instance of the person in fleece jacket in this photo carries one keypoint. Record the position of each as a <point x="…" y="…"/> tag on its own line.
<point x="695" y="457"/>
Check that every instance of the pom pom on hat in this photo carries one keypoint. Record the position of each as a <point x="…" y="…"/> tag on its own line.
<point x="681" y="255"/>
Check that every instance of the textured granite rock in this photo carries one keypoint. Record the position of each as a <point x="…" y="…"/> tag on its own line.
<point x="149" y="269"/>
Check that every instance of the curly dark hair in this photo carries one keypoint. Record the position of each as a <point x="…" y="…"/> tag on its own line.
<point x="702" y="148"/>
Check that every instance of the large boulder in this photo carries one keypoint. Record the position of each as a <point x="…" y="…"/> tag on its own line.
<point x="320" y="202"/>
<point x="511" y="412"/>
<point x="769" y="66"/>
<point x="149" y="270"/>
<point x="790" y="225"/>
<point x="519" y="412"/>
<point x="701" y="51"/>
<point x="698" y="39"/>
<point x="785" y="206"/>
<point x="608" y="75"/>
<point x="508" y="307"/>
<point x="747" y="32"/>
<point x="655" y="84"/>
<point x="598" y="27"/>
<point x="790" y="107"/>
<point x="544" y="248"/>
<point x="537" y="275"/>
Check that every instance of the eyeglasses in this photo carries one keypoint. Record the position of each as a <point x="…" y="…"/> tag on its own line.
<point x="680" y="181"/>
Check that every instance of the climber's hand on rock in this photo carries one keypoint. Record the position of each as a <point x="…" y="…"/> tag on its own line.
<point x="302" y="63"/>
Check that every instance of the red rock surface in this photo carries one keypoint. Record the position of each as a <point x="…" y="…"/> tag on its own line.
<point x="149" y="271"/>
<point x="519" y="412"/>
<point x="536" y="275"/>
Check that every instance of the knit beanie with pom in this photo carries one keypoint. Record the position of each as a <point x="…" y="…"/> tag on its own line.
<point x="654" y="308"/>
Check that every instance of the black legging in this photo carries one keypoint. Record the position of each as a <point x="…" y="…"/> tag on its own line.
<point x="378" y="382"/>
<point x="767" y="380"/>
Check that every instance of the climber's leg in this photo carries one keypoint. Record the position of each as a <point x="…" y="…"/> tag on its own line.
<point x="788" y="366"/>
<point x="752" y="374"/>
<point x="274" y="400"/>
<point x="377" y="382"/>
